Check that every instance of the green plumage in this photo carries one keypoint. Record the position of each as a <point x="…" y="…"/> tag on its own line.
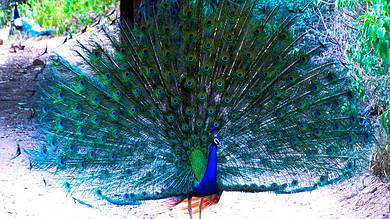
<point x="133" y="121"/>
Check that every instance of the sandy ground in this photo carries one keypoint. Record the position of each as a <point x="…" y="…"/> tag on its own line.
<point x="33" y="194"/>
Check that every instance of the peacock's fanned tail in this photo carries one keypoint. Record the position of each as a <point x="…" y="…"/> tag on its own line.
<point x="134" y="120"/>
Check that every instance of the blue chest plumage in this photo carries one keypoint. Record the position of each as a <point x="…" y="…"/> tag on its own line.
<point x="208" y="184"/>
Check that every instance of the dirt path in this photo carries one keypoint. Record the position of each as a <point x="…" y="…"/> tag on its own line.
<point x="25" y="194"/>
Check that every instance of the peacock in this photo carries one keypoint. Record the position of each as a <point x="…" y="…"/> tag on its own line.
<point x="184" y="106"/>
<point x="28" y="27"/>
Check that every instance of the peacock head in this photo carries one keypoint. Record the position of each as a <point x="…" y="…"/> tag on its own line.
<point x="216" y="141"/>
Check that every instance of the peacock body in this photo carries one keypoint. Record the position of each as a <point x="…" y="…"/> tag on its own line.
<point x="28" y="27"/>
<point x="191" y="105"/>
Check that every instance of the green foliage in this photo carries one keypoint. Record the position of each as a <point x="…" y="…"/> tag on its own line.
<point x="376" y="29"/>
<point x="3" y="18"/>
<point x="369" y="58"/>
<point x="65" y="15"/>
<point x="369" y="53"/>
<point x="385" y="122"/>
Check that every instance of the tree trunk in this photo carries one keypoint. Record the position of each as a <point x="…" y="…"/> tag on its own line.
<point x="128" y="10"/>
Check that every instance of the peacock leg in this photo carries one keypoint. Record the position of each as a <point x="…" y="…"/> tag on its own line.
<point x="200" y="208"/>
<point x="189" y="208"/>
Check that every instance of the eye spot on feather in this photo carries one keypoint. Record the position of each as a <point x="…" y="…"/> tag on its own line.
<point x="45" y="109"/>
<point x="67" y="185"/>
<point x="349" y="139"/>
<point x="78" y="107"/>
<point x="82" y="83"/>
<point x="123" y="51"/>
<point x="96" y="53"/>
<point x="108" y="76"/>
<point x="62" y="123"/>
<point x="99" y="192"/>
<point x="299" y="104"/>
<point x="353" y="119"/>
<point x="350" y="165"/>
<point x="248" y="55"/>
<point x="309" y="152"/>
<point x="229" y="37"/>
<point x="317" y="113"/>
<point x="294" y="182"/>
<point x="336" y="126"/>
<point x="349" y="94"/>
<point x="290" y="78"/>
<point x="61" y="95"/>
<point x="118" y="93"/>
<point x="303" y="58"/>
<point x="329" y="150"/>
<point x="366" y="136"/>
<point x="83" y="164"/>
<point x="189" y="12"/>
<point x="276" y="94"/>
<point x="283" y="35"/>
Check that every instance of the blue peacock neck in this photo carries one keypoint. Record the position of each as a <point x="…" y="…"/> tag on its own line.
<point x="208" y="185"/>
